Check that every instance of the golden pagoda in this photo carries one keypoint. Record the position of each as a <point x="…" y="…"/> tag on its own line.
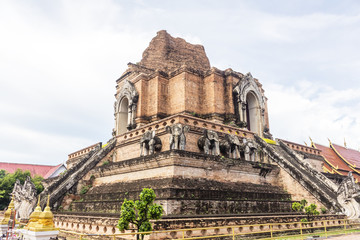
<point x="7" y="215"/>
<point x="45" y="221"/>
<point x="34" y="217"/>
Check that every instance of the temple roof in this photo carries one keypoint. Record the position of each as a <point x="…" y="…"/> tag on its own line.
<point x="348" y="154"/>
<point x="334" y="163"/>
<point x="44" y="171"/>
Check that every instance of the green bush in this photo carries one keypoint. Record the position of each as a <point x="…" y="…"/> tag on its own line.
<point x="85" y="189"/>
<point x="310" y="210"/>
<point x="323" y="210"/>
<point x="140" y="212"/>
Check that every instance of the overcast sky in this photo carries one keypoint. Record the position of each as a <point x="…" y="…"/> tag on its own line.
<point x="59" y="61"/>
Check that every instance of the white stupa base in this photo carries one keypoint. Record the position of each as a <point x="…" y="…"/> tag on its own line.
<point x="46" y="235"/>
<point x="3" y="229"/>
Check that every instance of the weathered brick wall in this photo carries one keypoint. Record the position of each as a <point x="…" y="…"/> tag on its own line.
<point x="167" y="53"/>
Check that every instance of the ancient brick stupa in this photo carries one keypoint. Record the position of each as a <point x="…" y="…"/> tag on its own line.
<point x="199" y="137"/>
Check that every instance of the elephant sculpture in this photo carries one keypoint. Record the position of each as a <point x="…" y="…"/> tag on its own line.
<point x="209" y="143"/>
<point x="231" y="146"/>
<point x="177" y="137"/>
<point x="249" y="150"/>
<point x="149" y="143"/>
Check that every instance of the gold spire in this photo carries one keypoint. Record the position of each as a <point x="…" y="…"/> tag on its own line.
<point x="305" y="143"/>
<point x="45" y="221"/>
<point x="7" y="213"/>
<point x="34" y="217"/>
<point x="12" y="205"/>
<point x="345" y="143"/>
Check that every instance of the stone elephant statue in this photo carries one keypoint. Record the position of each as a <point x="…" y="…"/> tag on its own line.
<point x="177" y="137"/>
<point x="249" y="150"/>
<point x="149" y="143"/>
<point x="209" y="143"/>
<point x="231" y="146"/>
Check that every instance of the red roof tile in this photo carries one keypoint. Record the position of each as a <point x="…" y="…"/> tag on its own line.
<point x="42" y="170"/>
<point x="350" y="155"/>
<point x="331" y="156"/>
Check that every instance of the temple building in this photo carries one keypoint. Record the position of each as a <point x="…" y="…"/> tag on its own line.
<point x="200" y="138"/>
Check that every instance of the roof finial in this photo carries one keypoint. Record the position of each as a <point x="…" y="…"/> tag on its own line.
<point x="329" y="141"/>
<point x="345" y="143"/>
<point x="305" y="143"/>
<point x="312" y="143"/>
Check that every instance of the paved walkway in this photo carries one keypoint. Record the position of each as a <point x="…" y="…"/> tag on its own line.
<point x="355" y="236"/>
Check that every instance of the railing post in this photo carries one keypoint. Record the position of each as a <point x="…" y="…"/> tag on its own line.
<point x="271" y="231"/>
<point x="324" y="222"/>
<point x="233" y="231"/>
<point x="81" y="237"/>
<point x="301" y="233"/>
<point x="345" y="224"/>
<point x="183" y="233"/>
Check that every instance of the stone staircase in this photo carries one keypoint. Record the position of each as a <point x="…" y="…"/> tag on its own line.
<point x="64" y="183"/>
<point x="315" y="182"/>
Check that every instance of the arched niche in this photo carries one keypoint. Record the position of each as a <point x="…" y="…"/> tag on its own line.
<point x="123" y="117"/>
<point x="253" y="117"/>
<point x="125" y="108"/>
<point x="249" y="104"/>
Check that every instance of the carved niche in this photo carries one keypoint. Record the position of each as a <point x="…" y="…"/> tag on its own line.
<point x="24" y="198"/>
<point x="149" y="143"/>
<point x="177" y="137"/>
<point x="126" y="105"/>
<point x="247" y="86"/>
<point x="209" y="143"/>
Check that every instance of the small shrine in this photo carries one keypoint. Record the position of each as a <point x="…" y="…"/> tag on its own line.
<point x="41" y="224"/>
<point x="8" y="223"/>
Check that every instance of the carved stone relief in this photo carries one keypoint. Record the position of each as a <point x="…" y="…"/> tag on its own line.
<point x="349" y="197"/>
<point x="25" y="198"/>
<point x="177" y="137"/>
<point x="149" y="143"/>
<point x="209" y="143"/>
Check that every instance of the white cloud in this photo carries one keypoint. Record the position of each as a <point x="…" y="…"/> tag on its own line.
<point x="296" y="115"/>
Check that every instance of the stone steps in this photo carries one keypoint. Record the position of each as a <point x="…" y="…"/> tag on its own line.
<point x="309" y="178"/>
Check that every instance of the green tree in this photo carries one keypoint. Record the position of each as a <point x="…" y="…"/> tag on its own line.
<point x="140" y="212"/>
<point x="7" y="182"/>
<point x="310" y="210"/>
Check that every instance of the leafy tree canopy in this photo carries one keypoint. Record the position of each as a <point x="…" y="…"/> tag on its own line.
<point x="140" y="212"/>
<point x="7" y="182"/>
